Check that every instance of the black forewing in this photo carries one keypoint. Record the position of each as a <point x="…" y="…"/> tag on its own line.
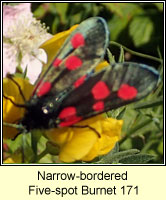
<point x="96" y="36"/>
<point x="143" y="78"/>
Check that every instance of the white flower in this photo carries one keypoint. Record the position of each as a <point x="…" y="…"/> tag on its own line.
<point x="22" y="37"/>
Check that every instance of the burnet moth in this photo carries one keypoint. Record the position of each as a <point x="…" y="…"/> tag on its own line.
<point x="70" y="91"/>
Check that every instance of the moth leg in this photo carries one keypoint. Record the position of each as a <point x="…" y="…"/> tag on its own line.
<point x="16" y="104"/>
<point x="87" y="126"/>
<point x="17" y="126"/>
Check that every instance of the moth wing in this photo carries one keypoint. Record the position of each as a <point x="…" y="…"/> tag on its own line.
<point x="79" y="55"/>
<point x="115" y="86"/>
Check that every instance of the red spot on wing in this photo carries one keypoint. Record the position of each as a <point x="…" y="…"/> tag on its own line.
<point x="77" y="40"/>
<point x="68" y="116"/>
<point x="57" y="62"/>
<point x="73" y="120"/>
<point x="44" y="89"/>
<point x="79" y="81"/>
<point x="73" y="62"/>
<point x="99" y="106"/>
<point x="100" y="90"/>
<point x="127" y="92"/>
<point x="67" y="112"/>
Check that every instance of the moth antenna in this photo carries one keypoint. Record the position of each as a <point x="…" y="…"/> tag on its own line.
<point x="16" y="104"/>
<point x="19" y="88"/>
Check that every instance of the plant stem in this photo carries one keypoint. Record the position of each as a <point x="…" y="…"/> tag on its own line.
<point x="136" y="53"/>
<point x="41" y="155"/>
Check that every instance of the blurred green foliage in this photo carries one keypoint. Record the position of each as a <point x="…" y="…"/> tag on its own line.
<point x="135" y="25"/>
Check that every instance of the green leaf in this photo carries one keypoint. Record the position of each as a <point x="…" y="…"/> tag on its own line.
<point x="124" y="12"/>
<point x="121" y="113"/>
<point x="61" y="9"/>
<point x="114" y="150"/>
<point x="55" y="24"/>
<point x="116" y="157"/>
<point x="149" y="104"/>
<point x="137" y="159"/>
<point x="39" y="12"/>
<point x="148" y="146"/>
<point x="160" y="147"/>
<point x="139" y="126"/>
<point x="141" y="29"/>
<point x="52" y="148"/>
<point x="116" y="113"/>
<point x="111" y="58"/>
<point x="116" y="26"/>
<point x="114" y="7"/>
<point x="35" y="137"/>
<point x="14" y="144"/>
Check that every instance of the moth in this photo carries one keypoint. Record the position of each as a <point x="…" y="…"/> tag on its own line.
<point x="70" y="91"/>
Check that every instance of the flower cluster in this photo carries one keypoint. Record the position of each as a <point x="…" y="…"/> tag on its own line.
<point x="22" y="37"/>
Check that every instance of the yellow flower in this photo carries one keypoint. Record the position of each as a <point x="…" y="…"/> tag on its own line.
<point x="84" y="143"/>
<point x="12" y="113"/>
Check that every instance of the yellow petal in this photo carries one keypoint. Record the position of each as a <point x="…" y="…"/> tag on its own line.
<point x="74" y="142"/>
<point x="59" y="136"/>
<point x="93" y="153"/>
<point x="12" y="113"/>
<point x="111" y="130"/>
<point x="53" y="45"/>
<point x="112" y="127"/>
<point x="79" y="146"/>
<point x="101" y="66"/>
<point x="107" y="144"/>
